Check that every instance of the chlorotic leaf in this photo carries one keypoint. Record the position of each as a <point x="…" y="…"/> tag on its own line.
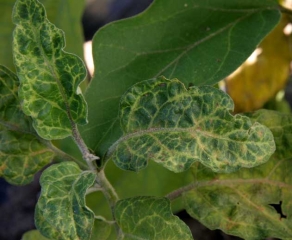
<point x="253" y="203"/>
<point x="149" y="218"/>
<point x="33" y="235"/>
<point x="49" y="77"/>
<point x="22" y="153"/>
<point x="61" y="212"/>
<point x="164" y="122"/>
<point x="197" y="41"/>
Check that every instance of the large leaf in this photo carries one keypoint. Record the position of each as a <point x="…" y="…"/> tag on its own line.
<point x="164" y="122"/>
<point x="197" y="41"/>
<point x="254" y="203"/>
<point x="49" y="77"/>
<point x="61" y="212"/>
<point x="65" y="14"/>
<point x="149" y="218"/>
<point x="22" y="153"/>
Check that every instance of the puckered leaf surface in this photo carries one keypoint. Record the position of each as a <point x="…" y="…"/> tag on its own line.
<point x="253" y="203"/>
<point x="165" y="122"/>
<point x="22" y="153"/>
<point x="49" y="77"/>
<point x="197" y="41"/>
<point x="61" y="212"/>
<point x="149" y="218"/>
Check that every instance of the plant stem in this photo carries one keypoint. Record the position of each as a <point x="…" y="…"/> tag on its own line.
<point x="87" y="156"/>
<point x="62" y="156"/>
<point x="110" y="195"/>
<point x="178" y="192"/>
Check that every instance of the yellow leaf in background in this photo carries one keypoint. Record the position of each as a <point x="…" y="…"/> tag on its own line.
<point x="264" y="73"/>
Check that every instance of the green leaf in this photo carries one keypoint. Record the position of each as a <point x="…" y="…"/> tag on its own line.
<point x="243" y="204"/>
<point x="164" y="122"/>
<point x="197" y="41"/>
<point x="281" y="126"/>
<point x="22" y="153"/>
<point x="101" y="230"/>
<point x="65" y="14"/>
<point x="33" y="235"/>
<point x="149" y="218"/>
<point x="61" y="212"/>
<point x="49" y="77"/>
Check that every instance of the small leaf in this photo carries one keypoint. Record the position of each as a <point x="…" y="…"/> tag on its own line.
<point x="33" y="235"/>
<point x="61" y="212"/>
<point x="197" y="41"/>
<point x="49" y="77"/>
<point x="253" y="203"/>
<point x="22" y="153"/>
<point x="164" y="122"/>
<point x="149" y="218"/>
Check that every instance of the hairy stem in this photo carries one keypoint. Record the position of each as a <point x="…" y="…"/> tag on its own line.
<point x="87" y="156"/>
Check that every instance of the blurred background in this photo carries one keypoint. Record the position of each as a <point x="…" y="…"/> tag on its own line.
<point x="267" y="69"/>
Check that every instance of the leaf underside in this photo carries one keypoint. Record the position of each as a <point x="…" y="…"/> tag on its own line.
<point x="149" y="218"/>
<point x="197" y="41"/>
<point x="22" y="154"/>
<point x="61" y="212"/>
<point x="253" y="203"/>
<point x="165" y="122"/>
<point x="49" y="77"/>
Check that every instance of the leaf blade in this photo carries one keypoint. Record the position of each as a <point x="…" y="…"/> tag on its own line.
<point x="165" y="122"/>
<point x="149" y="218"/>
<point x="241" y="204"/>
<point x="49" y="77"/>
<point x="22" y="153"/>
<point x="124" y="53"/>
<point x="61" y="212"/>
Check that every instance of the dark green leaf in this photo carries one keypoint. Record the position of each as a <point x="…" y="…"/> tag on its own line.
<point x="22" y="153"/>
<point x="149" y="218"/>
<point x="253" y="203"/>
<point x="33" y="235"/>
<point x="164" y="122"/>
<point x="49" y="77"/>
<point x="61" y="212"/>
<point x="101" y="230"/>
<point x="197" y="41"/>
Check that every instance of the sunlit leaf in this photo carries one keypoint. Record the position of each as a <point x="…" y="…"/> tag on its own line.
<point x="253" y="203"/>
<point x="61" y="212"/>
<point x="197" y="41"/>
<point x="22" y="153"/>
<point x="149" y="218"/>
<point x="49" y="77"/>
<point x="165" y="122"/>
<point x="267" y="69"/>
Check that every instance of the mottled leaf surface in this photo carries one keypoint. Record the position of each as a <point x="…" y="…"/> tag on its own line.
<point x="197" y="41"/>
<point x="61" y="212"/>
<point x="64" y="13"/>
<point x="149" y="218"/>
<point x="49" y="77"/>
<point x="33" y="235"/>
<point x="165" y="122"/>
<point x="253" y="203"/>
<point x="22" y="153"/>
